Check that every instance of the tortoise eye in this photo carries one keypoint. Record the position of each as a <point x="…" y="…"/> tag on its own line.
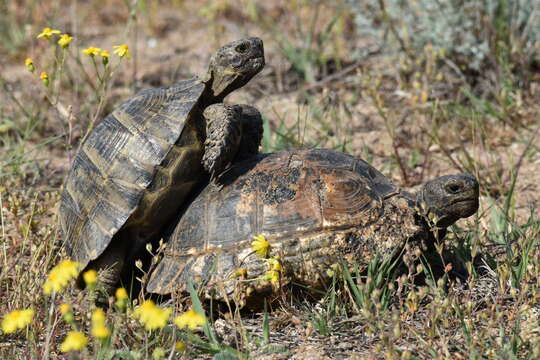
<point x="453" y="188"/>
<point x="242" y="48"/>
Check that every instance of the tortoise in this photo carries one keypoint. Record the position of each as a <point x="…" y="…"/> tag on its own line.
<point x="137" y="166"/>
<point x="316" y="208"/>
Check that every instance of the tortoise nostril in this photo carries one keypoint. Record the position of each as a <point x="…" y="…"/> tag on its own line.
<point x="242" y="48"/>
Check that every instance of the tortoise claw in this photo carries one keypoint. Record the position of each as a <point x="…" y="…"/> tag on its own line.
<point x="215" y="183"/>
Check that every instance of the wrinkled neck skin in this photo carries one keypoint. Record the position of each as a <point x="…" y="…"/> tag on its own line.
<point x="217" y="88"/>
<point x="209" y="98"/>
<point x="435" y="221"/>
<point x="424" y="215"/>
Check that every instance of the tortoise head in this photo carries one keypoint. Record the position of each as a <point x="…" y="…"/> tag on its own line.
<point x="449" y="198"/>
<point x="234" y="65"/>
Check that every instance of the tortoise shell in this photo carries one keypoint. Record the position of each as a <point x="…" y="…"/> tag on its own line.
<point x="125" y="161"/>
<point x="314" y="207"/>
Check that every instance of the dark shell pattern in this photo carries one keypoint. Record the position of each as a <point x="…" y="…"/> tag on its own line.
<point x="313" y="206"/>
<point x="117" y="163"/>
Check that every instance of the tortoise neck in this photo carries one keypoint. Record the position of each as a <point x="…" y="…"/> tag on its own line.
<point x="209" y="98"/>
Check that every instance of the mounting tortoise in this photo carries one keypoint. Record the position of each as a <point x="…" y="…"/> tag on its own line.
<point x="315" y="208"/>
<point x="136" y="168"/>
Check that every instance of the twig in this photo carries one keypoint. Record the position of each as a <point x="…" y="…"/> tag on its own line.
<point x="332" y="77"/>
<point x="341" y="73"/>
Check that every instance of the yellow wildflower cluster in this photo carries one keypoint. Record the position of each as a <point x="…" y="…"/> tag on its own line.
<point x="99" y="329"/>
<point x="190" y="319"/>
<point x="16" y="320"/>
<point x="64" y="41"/>
<point x="273" y="274"/>
<point x="120" y="50"/>
<point x="74" y="341"/>
<point x="260" y="246"/>
<point x="47" y="33"/>
<point x="60" y="276"/>
<point x="152" y="316"/>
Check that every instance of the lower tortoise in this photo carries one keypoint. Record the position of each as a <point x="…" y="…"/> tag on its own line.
<point x="315" y="208"/>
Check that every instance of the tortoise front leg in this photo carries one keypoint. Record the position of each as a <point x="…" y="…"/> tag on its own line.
<point x="233" y="133"/>
<point x="223" y="134"/>
<point x="252" y="133"/>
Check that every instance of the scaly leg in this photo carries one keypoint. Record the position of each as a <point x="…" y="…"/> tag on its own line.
<point x="223" y="134"/>
<point x="252" y="133"/>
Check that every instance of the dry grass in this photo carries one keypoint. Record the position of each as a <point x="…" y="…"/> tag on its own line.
<point x="413" y="116"/>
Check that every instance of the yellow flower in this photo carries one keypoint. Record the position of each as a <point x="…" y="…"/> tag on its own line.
<point x="158" y="353"/>
<point x="98" y="316"/>
<point x="46" y="33"/>
<point x="92" y="51"/>
<point x="121" y="294"/>
<point x="190" y="319"/>
<point x="29" y="63"/>
<point x="100" y="332"/>
<point x="17" y="319"/>
<point x="104" y="56"/>
<point x="260" y="246"/>
<point x="152" y="316"/>
<point x="99" y="328"/>
<point x="423" y="97"/>
<point x="274" y="263"/>
<point x="74" y="341"/>
<point x="333" y="270"/>
<point x="67" y="315"/>
<point x="64" y="40"/>
<point x="180" y="346"/>
<point x="90" y="278"/>
<point x="64" y="308"/>
<point x="122" y="51"/>
<point x="274" y="273"/>
<point x="66" y="270"/>
<point x="44" y="78"/>
<point x="121" y="299"/>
